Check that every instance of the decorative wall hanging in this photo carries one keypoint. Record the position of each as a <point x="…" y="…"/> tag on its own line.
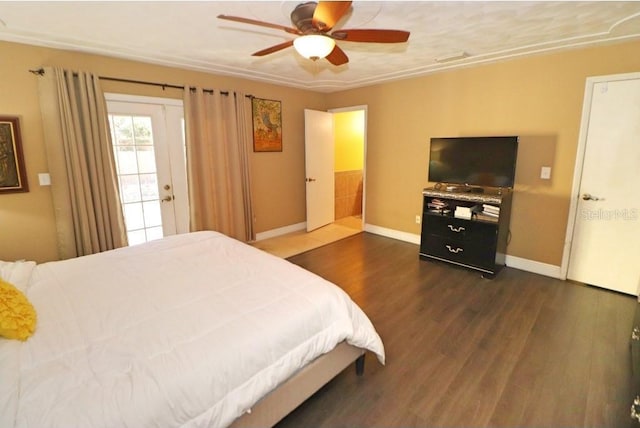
<point x="13" y="176"/>
<point x="267" y="125"/>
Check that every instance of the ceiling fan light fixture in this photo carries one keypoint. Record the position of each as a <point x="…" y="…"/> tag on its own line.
<point x="314" y="46"/>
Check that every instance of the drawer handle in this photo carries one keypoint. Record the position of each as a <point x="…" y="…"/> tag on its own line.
<point x="454" y="251"/>
<point x="635" y="334"/>
<point x="456" y="229"/>
<point x="635" y="409"/>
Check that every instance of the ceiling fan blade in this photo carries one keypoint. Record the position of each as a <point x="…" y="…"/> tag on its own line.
<point x="327" y="13"/>
<point x="260" y="23"/>
<point x="274" y="48"/>
<point x="337" y="56"/>
<point x="372" y="36"/>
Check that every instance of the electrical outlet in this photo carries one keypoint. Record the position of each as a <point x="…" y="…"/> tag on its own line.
<point x="417" y="219"/>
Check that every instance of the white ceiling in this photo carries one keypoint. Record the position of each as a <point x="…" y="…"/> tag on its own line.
<point x="188" y="35"/>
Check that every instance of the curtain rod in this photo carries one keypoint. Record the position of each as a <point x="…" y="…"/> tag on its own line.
<point x="40" y="72"/>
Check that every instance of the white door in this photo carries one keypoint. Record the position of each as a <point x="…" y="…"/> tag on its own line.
<point x="605" y="250"/>
<point x="148" y="143"/>
<point x="319" y="168"/>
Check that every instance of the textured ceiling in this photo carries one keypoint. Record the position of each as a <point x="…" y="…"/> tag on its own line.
<point x="188" y="35"/>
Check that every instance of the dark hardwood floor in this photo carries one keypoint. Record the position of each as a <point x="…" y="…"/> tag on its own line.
<point x="519" y="350"/>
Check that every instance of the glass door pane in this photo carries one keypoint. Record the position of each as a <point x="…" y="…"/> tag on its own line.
<point x="137" y="176"/>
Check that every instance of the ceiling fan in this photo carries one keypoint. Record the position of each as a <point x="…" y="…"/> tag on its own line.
<point x="313" y="23"/>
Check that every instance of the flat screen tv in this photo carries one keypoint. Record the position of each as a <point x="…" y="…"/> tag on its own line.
<point x="474" y="161"/>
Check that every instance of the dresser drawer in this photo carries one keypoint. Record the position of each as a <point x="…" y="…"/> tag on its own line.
<point x="470" y="253"/>
<point x="455" y="228"/>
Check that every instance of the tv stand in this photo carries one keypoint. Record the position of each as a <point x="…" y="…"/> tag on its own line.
<point x="469" y="229"/>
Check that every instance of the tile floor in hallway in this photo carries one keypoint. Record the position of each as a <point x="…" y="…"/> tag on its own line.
<point x="298" y="242"/>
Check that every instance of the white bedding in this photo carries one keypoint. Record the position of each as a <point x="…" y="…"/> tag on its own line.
<point x="191" y="330"/>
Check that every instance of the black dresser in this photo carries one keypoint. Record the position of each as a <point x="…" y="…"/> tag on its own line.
<point x="466" y="228"/>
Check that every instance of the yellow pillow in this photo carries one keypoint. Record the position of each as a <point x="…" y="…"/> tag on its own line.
<point x="17" y="315"/>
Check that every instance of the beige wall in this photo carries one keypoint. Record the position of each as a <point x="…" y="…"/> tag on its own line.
<point x="27" y="220"/>
<point x="538" y="98"/>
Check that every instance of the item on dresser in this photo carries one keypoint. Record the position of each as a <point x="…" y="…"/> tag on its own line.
<point x="483" y="216"/>
<point x="466" y="212"/>
<point x="437" y="203"/>
<point x="463" y="212"/>
<point x="438" y="206"/>
<point x="491" y="210"/>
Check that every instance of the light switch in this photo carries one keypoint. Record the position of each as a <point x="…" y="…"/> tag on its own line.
<point x="545" y="172"/>
<point x="44" y="179"/>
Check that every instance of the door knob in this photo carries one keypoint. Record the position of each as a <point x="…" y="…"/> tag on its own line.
<point x="309" y="180"/>
<point x="588" y="197"/>
<point x="168" y="198"/>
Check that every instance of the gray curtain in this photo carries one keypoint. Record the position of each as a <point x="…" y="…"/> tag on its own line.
<point x="218" y="133"/>
<point x="84" y="184"/>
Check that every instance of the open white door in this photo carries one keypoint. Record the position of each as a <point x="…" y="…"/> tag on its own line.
<point x="319" y="166"/>
<point x="605" y="250"/>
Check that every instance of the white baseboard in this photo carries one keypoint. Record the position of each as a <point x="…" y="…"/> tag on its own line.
<point x="511" y="261"/>
<point x="532" y="266"/>
<point x="391" y="233"/>
<point x="281" y="231"/>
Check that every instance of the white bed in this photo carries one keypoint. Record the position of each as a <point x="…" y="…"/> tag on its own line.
<point x="192" y="330"/>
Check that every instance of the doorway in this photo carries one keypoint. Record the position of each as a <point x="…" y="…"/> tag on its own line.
<point x="341" y="161"/>
<point x="349" y="143"/>
<point x="335" y="145"/>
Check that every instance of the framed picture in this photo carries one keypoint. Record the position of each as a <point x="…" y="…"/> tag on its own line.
<point x="13" y="177"/>
<point x="267" y="125"/>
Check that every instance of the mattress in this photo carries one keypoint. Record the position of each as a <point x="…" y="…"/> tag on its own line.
<point x="191" y="331"/>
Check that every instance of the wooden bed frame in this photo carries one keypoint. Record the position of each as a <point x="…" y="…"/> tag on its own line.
<point x="302" y="385"/>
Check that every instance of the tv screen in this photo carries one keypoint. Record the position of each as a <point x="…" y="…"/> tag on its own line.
<point x="476" y="161"/>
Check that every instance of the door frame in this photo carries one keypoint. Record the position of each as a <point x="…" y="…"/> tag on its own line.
<point x="577" y="172"/>
<point x="364" y="108"/>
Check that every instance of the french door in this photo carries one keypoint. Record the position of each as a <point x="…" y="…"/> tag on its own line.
<point x="149" y="149"/>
